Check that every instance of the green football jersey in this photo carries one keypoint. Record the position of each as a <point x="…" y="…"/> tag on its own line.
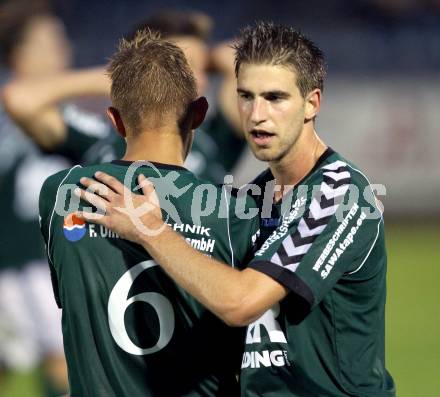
<point x="129" y="330"/>
<point x="326" y="338"/>
<point x="23" y="170"/>
<point x="224" y="136"/>
<point x="91" y="140"/>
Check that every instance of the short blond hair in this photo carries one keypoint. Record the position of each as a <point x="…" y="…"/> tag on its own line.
<point x="151" y="79"/>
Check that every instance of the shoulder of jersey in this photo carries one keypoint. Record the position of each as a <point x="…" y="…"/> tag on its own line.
<point x="340" y="169"/>
<point x="53" y="181"/>
<point x="68" y="175"/>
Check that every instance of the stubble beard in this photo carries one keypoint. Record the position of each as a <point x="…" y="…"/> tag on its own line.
<point x="276" y="156"/>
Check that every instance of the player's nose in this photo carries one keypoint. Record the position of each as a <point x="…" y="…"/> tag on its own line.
<point x="258" y="111"/>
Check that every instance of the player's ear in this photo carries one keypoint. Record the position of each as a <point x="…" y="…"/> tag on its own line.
<point x="312" y="104"/>
<point x="115" y="118"/>
<point x="199" y="108"/>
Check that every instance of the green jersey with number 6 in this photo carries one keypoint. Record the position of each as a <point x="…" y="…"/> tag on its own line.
<point x="129" y="330"/>
<point x="326" y="338"/>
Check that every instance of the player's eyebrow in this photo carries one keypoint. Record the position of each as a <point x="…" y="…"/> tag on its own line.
<point x="243" y="91"/>
<point x="273" y="93"/>
<point x="276" y="93"/>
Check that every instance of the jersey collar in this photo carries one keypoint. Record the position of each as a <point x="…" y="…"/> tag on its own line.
<point x="155" y="163"/>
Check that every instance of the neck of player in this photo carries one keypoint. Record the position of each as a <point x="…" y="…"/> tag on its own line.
<point x="297" y="162"/>
<point x="161" y="145"/>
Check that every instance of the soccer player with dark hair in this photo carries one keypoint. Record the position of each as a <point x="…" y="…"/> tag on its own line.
<point x="313" y="296"/>
<point x="128" y="329"/>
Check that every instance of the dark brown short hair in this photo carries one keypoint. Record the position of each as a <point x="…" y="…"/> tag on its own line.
<point x="151" y="80"/>
<point x="267" y="43"/>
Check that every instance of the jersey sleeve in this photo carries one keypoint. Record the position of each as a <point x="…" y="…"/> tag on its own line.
<point x="83" y="130"/>
<point x="332" y="239"/>
<point x="47" y="202"/>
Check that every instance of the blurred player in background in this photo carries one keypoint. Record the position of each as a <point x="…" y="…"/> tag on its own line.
<point x="314" y="294"/>
<point x="190" y="31"/>
<point x="68" y="135"/>
<point x="30" y="329"/>
<point x="128" y="329"/>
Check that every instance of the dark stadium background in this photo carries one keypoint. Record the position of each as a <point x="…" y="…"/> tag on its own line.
<point x="358" y="36"/>
<point x="388" y="50"/>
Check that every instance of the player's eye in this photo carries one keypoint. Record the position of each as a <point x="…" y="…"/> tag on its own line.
<point x="245" y="96"/>
<point x="273" y="97"/>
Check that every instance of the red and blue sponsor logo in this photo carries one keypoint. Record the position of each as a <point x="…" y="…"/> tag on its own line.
<point x="74" y="228"/>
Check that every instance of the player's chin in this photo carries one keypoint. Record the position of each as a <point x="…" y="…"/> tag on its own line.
<point x="263" y="154"/>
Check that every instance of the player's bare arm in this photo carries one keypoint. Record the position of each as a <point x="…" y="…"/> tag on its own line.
<point x="237" y="297"/>
<point x="33" y="103"/>
<point x="222" y="61"/>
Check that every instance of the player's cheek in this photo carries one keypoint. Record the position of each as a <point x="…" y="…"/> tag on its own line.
<point x="245" y="109"/>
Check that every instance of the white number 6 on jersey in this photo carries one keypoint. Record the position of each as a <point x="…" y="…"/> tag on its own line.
<point x="118" y="303"/>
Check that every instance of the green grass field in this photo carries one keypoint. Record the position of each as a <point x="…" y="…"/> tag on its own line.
<point x="413" y="315"/>
<point x="413" y="310"/>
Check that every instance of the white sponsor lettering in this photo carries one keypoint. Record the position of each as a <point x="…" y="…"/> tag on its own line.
<point x="92" y="232"/>
<point x="282" y="230"/>
<point x="255" y="237"/>
<point x="349" y="239"/>
<point x="107" y="233"/>
<point x="270" y="324"/>
<point x="189" y="228"/>
<point x="265" y="358"/>
<point x="102" y="231"/>
<point x="334" y="239"/>
<point x="202" y="244"/>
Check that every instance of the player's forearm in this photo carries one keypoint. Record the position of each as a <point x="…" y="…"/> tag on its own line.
<point x="237" y="297"/>
<point x="33" y="103"/>
<point x="227" y="100"/>
<point x="222" y="58"/>
<point x="24" y="98"/>
<point x="225" y="291"/>
<point x="222" y="61"/>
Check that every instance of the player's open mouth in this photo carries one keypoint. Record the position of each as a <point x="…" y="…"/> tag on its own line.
<point x="260" y="137"/>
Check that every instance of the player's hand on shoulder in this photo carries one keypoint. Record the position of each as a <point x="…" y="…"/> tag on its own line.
<point x="132" y="216"/>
